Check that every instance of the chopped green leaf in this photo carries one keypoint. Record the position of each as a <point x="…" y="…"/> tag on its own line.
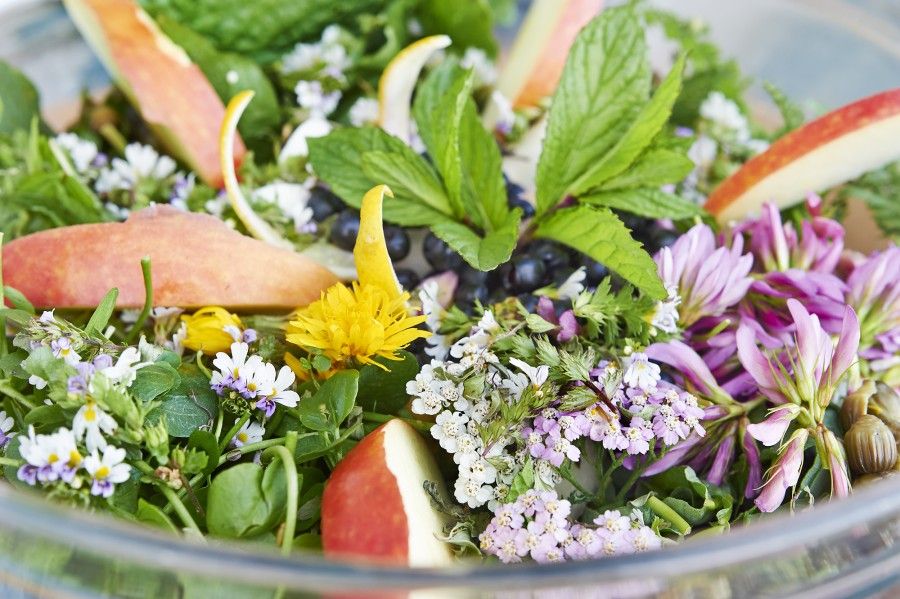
<point x="407" y="176"/>
<point x="483" y="253"/>
<point x="385" y="392"/>
<point x="602" y="236"/>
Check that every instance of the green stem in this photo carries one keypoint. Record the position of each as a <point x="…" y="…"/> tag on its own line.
<point x="5" y="388"/>
<point x="10" y="462"/>
<point x="233" y="431"/>
<point x="604" y="480"/>
<point x="635" y="474"/>
<point x="202" y="366"/>
<point x="567" y="474"/>
<point x="171" y="497"/>
<point x="293" y="491"/>
<point x="114" y="137"/>
<point x="413" y="422"/>
<point x="662" y="510"/>
<point x="148" y="302"/>
<point x="251" y="447"/>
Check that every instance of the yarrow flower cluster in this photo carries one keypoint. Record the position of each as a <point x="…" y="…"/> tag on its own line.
<point x="252" y="379"/>
<point x="539" y="525"/>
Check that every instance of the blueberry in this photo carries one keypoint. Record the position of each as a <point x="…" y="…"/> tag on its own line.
<point x="407" y="278"/>
<point x="663" y="238"/>
<point x="472" y="276"/>
<point x="397" y="242"/>
<point x="529" y="301"/>
<point x="345" y="229"/>
<point x="323" y="203"/>
<point x="513" y="190"/>
<point x="552" y="255"/>
<point x="440" y="255"/>
<point x="526" y="206"/>
<point x="594" y="271"/>
<point x="466" y="295"/>
<point x="525" y="273"/>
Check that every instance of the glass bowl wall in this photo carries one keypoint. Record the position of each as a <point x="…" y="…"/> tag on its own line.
<point x="825" y="51"/>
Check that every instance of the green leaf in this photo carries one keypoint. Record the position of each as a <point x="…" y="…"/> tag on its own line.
<point x="102" y="313"/>
<point x="649" y="122"/>
<point x="469" y="23"/>
<point x="438" y="110"/>
<point x="337" y="159"/>
<point x="523" y="481"/>
<point x="648" y="202"/>
<point x="483" y="253"/>
<point x="245" y="500"/>
<point x="190" y="405"/>
<point x="153" y="380"/>
<point x="792" y="115"/>
<point x="229" y="74"/>
<point x="385" y="392"/>
<point x="408" y="176"/>
<point x="332" y="403"/>
<point x="45" y="417"/>
<point x="603" y="86"/>
<point x="484" y="189"/>
<point x="17" y="299"/>
<point x="152" y="515"/>
<point x="19" y="102"/>
<point x="598" y="233"/>
<point x="654" y="168"/>
<point x="206" y="442"/>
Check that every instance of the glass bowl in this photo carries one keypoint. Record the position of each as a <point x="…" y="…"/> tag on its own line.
<point x="827" y="51"/>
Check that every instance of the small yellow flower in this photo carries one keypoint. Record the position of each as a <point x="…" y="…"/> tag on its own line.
<point x="207" y="329"/>
<point x="358" y="323"/>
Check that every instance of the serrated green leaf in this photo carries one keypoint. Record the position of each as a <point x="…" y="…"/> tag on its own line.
<point x="407" y="178"/>
<point x="190" y="405"/>
<point x="654" y="168"/>
<point x="605" y="82"/>
<point x="649" y="122"/>
<point x="647" y="202"/>
<point x="484" y="190"/>
<point x="598" y="233"/>
<point x="469" y="23"/>
<point x="483" y="253"/>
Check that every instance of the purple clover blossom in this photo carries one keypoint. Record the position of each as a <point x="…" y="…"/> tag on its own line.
<point x="567" y="327"/>
<point x="821" y="293"/>
<point x="709" y="279"/>
<point x="777" y="246"/>
<point x="874" y="291"/>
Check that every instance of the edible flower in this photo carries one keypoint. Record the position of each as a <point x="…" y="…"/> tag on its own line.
<point x="211" y="330"/>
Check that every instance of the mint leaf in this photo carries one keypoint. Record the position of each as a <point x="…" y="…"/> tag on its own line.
<point x="406" y="177"/>
<point x="648" y="202"/>
<point x="438" y="110"/>
<point x="654" y="168"/>
<point x="483" y="253"/>
<point x="19" y="103"/>
<point x="649" y="122"/>
<point x="337" y="159"/>
<point x="598" y="233"/>
<point x="469" y="23"/>
<point x="484" y="190"/>
<point x="605" y="82"/>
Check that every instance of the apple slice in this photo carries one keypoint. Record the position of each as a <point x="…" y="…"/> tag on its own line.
<point x="171" y="93"/>
<point x="535" y="62"/>
<point x="833" y="149"/>
<point x="375" y="507"/>
<point x="395" y="88"/>
<point x="196" y="260"/>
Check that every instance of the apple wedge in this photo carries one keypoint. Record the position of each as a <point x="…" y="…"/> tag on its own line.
<point x="375" y="507"/>
<point x="171" y="92"/>
<point x="833" y="149"/>
<point x="535" y="62"/>
<point x="196" y="260"/>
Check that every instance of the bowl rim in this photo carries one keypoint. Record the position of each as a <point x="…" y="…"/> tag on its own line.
<point x="30" y="514"/>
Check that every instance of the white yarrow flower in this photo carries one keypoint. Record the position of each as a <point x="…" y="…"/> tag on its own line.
<point x="364" y="112"/>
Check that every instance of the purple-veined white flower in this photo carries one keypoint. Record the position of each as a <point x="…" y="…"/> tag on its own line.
<point x="274" y="389"/>
<point x="250" y="432"/>
<point x="107" y="470"/>
<point x="640" y="372"/>
<point x="91" y="423"/>
<point x="6" y="425"/>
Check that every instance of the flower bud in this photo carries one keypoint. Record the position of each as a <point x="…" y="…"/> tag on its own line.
<point x="885" y="403"/>
<point x="856" y="405"/>
<point x="871" y="447"/>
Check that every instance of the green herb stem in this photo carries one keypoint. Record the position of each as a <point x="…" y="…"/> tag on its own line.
<point x="10" y="462"/>
<point x="567" y="474"/>
<point x="293" y="490"/>
<point x="251" y="447"/>
<point x="662" y="510"/>
<point x="10" y="391"/>
<point x="148" y="302"/>
<point x="172" y="497"/>
<point x="413" y="422"/>
<point x="233" y="431"/>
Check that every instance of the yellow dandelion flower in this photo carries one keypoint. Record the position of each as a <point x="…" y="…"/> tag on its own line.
<point x="357" y="323"/>
<point x="207" y="329"/>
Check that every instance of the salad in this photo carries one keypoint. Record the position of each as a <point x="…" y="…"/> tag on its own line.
<point x="336" y="282"/>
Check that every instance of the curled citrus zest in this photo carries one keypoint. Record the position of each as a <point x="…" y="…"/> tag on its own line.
<point x="395" y="88"/>
<point x="255" y="225"/>
<point x="373" y="263"/>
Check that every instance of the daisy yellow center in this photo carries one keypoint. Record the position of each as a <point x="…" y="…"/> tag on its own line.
<point x="102" y="472"/>
<point x="90" y="414"/>
<point x="74" y="458"/>
<point x="359" y="323"/>
<point x="52" y="458"/>
<point x="242" y="437"/>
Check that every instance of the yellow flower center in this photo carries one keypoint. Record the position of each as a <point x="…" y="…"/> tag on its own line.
<point x="74" y="458"/>
<point x="102" y="472"/>
<point x="90" y="414"/>
<point x="52" y="458"/>
<point x="242" y="437"/>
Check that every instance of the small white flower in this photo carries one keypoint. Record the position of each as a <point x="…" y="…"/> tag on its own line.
<point x="140" y="162"/>
<point x="506" y="116"/>
<point x="573" y="286"/>
<point x="311" y="96"/>
<point x="467" y="447"/>
<point x="472" y="493"/>
<point x="364" y="112"/>
<point x="107" y="471"/>
<point x="83" y="152"/>
<point x="449" y="426"/>
<point x="537" y="375"/>
<point x="703" y="152"/>
<point x="665" y="316"/>
<point x="482" y="67"/>
<point x="478" y="470"/>
<point x="236" y="366"/>
<point x="428" y="402"/>
<point x="277" y="388"/>
<point x="487" y="323"/>
<point x="291" y="199"/>
<point x="720" y="110"/>
<point x="641" y="372"/>
<point x="91" y="423"/>
<point x="125" y="369"/>
<point x="62" y="348"/>
<point x="250" y="432"/>
<point x="37" y="382"/>
<point x="47" y="316"/>
<point x="53" y="456"/>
